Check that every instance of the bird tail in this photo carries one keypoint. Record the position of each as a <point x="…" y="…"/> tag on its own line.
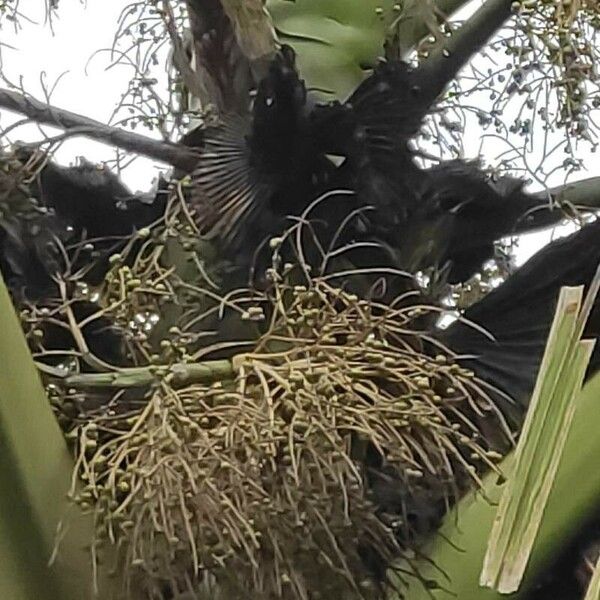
<point x="503" y="336"/>
<point x="226" y="190"/>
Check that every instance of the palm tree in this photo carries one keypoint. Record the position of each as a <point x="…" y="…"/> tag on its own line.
<point x="331" y="286"/>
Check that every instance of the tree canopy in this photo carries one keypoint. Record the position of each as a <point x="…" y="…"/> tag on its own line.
<point x="247" y="359"/>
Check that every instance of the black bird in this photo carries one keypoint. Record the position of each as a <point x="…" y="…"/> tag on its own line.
<point x="92" y="201"/>
<point x="255" y="171"/>
<point x="67" y="206"/>
<point x="63" y="207"/>
<point x="276" y="160"/>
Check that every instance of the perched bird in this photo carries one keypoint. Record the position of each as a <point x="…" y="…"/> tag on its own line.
<point x="67" y="217"/>
<point x="94" y="202"/>
<point x="79" y="205"/>
<point x="256" y="172"/>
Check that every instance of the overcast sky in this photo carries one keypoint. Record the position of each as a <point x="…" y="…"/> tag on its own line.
<point x="87" y="87"/>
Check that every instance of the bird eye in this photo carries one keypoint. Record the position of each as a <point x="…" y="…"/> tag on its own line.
<point x="269" y="101"/>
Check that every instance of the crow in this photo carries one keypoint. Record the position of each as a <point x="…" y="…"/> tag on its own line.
<point x="67" y="206"/>
<point x="258" y="173"/>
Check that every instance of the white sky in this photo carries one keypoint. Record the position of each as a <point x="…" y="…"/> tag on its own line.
<point x="87" y="87"/>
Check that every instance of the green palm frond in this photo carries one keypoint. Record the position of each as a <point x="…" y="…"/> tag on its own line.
<point x="35" y="475"/>
<point x="336" y="40"/>
<point x="456" y="557"/>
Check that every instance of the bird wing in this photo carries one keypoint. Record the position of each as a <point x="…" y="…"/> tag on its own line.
<point x="226" y="190"/>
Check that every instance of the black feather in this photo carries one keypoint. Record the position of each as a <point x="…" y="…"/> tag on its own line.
<point x="255" y="171"/>
<point x="473" y="210"/>
<point x="102" y="338"/>
<point x="93" y="201"/>
<point x="518" y="314"/>
<point x="376" y="122"/>
<point x="67" y="206"/>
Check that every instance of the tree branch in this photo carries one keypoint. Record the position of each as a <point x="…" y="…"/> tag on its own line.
<point x="178" y="375"/>
<point x="448" y="7"/>
<point x="45" y="114"/>
<point x="223" y="68"/>
<point x="451" y="54"/>
<point x="191" y="78"/>
<point x="560" y="202"/>
<point x="253" y="27"/>
<point x="414" y="28"/>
